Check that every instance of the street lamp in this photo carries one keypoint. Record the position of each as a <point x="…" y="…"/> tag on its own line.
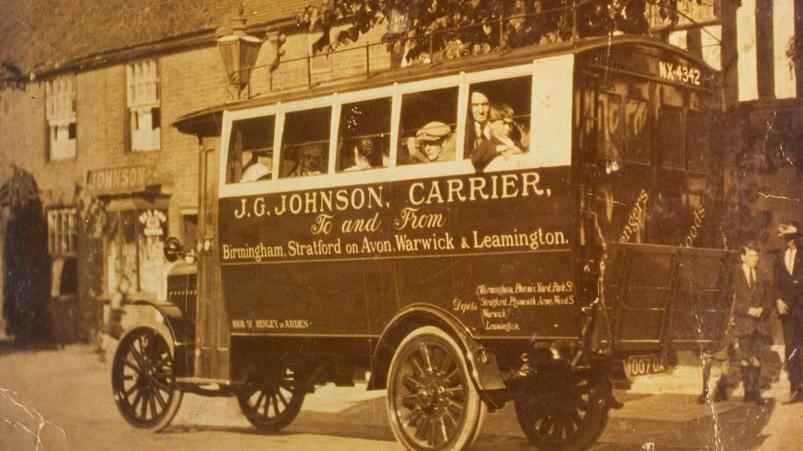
<point x="239" y="52"/>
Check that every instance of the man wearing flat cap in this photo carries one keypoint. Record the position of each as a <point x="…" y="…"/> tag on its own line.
<point x="433" y="142"/>
<point x="789" y="302"/>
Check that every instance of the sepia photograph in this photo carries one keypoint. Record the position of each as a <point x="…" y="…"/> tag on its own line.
<point x="425" y="225"/>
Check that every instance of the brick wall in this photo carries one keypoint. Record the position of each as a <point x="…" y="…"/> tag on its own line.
<point x="190" y="80"/>
<point x="348" y="60"/>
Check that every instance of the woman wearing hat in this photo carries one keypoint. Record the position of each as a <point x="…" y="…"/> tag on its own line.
<point x="789" y="302"/>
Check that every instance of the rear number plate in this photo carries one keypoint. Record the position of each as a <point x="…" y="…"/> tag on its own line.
<point x="640" y="365"/>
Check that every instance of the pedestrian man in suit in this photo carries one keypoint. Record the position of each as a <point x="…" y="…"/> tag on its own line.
<point x="789" y="302"/>
<point x="752" y="302"/>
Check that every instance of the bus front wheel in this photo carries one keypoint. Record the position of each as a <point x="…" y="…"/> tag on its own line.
<point x="564" y="409"/>
<point x="432" y="402"/>
<point x="143" y="380"/>
<point x="273" y="402"/>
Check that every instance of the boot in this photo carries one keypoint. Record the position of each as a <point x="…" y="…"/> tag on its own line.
<point x="703" y="398"/>
<point x="747" y="383"/>
<point x="756" y="380"/>
<point x="721" y="392"/>
<point x="795" y="396"/>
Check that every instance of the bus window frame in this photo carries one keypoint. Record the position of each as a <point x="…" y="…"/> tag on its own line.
<point x="229" y="118"/>
<point x="393" y="172"/>
<point x="297" y="107"/>
<point x="501" y="74"/>
<point x="367" y="96"/>
<point x="451" y="81"/>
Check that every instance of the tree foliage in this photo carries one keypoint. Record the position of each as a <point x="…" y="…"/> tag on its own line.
<point x="460" y="27"/>
<point x="94" y="224"/>
<point x="11" y="76"/>
<point x="26" y="286"/>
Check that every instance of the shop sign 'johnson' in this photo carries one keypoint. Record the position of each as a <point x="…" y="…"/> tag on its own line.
<point x="128" y="179"/>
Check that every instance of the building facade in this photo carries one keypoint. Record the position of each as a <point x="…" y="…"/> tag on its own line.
<point x="87" y="108"/>
<point x="752" y="43"/>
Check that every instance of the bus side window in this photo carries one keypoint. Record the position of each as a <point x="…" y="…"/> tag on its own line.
<point x="364" y="135"/>
<point x="305" y="143"/>
<point x="428" y="122"/>
<point x="251" y="150"/>
<point x="610" y="135"/>
<point x="491" y="103"/>
<point x="637" y="131"/>
<point x="671" y="139"/>
<point x="698" y="144"/>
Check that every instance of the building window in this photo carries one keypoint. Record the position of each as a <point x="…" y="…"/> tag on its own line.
<point x="144" y="115"/>
<point x="60" y="95"/>
<point x="61" y="231"/>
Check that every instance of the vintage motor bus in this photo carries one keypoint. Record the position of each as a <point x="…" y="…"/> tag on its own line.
<point x="477" y="232"/>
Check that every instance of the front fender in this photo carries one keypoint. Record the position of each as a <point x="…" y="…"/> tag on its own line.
<point x="169" y="317"/>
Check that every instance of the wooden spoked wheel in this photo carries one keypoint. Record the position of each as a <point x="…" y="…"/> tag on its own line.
<point x="143" y="380"/>
<point x="273" y="403"/>
<point x="432" y="402"/>
<point x="564" y="409"/>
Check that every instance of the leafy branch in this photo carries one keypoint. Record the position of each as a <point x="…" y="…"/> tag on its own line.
<point x="11" y="76"/>
<point x="458" y="27"/>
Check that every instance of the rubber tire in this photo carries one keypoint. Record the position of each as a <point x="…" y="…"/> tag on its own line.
<point x="169" y="413"/>
<point x="594" y="426"/>
<point x="278" y="423"/>
<point x="475" y="411"/>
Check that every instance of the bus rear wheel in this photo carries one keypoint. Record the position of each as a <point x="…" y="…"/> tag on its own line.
<point x="432" y="402"/>
<point x="272" y="403"/>
<point x="143" y="380"/>
<point x="564" y="409"/>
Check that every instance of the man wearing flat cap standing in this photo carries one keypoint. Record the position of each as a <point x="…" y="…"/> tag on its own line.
<point x="789" y="302"/>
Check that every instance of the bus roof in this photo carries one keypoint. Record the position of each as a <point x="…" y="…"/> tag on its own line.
<point x="207" y="121"/>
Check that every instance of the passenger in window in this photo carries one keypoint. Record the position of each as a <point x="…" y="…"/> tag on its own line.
<point x="311" y="161"/>
<point x="432" y="143"/>
<point x="366" y="156"/>
<point x="477" y="130"/>
<point x="254" y="170"/>
<point x="504" y="140"/>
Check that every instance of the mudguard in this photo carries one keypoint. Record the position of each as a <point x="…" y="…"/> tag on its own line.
<point x="180" y="332"/>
